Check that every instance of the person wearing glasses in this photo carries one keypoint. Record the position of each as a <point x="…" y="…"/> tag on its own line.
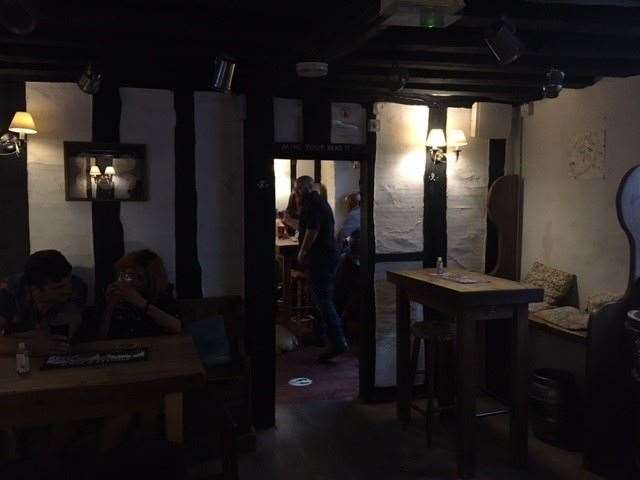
<point x="140" y="303"/>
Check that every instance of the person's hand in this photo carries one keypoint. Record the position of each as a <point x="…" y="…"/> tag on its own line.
<point x="40" y="342"/>
<point x="124" y="292"/>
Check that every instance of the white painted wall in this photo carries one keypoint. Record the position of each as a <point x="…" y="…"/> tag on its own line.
<point x="219" y="177"/>
<point x="61" y="112"/>
<point x="467" y="183"/>
<point x="305" y="167"/>
<point x="572" y="224"/>
<point x="148" y="117"/>
<point x="282" y="174"/>
<point x="399" y="171"/>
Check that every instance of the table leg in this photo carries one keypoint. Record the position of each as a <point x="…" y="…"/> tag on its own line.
<point x="403" y="360"/>
<point x="466" y="399"/>
<point x="173" y="426"/>
<point x="519" y="369"/>
<point x="286" y="286"/>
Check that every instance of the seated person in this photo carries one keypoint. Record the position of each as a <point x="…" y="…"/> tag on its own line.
<point x="351" y="222"/>
<point x="292" y="214"/>
<point x="39" y="303"/>
<point x="141" y="302"/>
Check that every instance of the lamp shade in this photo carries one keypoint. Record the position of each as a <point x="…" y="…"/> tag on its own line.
<point x="109" y="170"/>
<point x="23" y="123"/>
<point x="457" y="138"/>
<point x="95" y="171"/>
<point x="436" y="138"/>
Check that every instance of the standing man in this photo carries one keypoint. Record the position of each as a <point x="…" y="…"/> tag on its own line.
<point x="319" y="255"/>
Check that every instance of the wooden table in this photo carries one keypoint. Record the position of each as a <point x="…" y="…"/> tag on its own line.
<point x="59" y="395"/>
<point x="287" y="251"/>
<point x="467" y="304"/>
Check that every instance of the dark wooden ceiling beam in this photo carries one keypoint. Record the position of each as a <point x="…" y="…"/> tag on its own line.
<point x="417" y="90"/>
<point x="433" y="82"/>
<point x="439" y="76"/>
<point x="555" y="25"/>
<point x="526" y="64"/>
<point x="442" y="88"/>
<point x="542" y="48"/>
<point x="592" y="14"/>
<point x="459" y="40"/>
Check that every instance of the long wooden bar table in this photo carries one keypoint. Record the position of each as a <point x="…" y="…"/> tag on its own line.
<point x="59" y="395"/>
<point x="488" y="299"/>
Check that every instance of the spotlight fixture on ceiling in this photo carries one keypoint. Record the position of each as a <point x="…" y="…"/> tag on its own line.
<point x="553" y="83"/>
<point x="503" y="42"/>
<point x="312" y="69"/>
<point x="90" y="80"/>
<point x="224" y="67"/>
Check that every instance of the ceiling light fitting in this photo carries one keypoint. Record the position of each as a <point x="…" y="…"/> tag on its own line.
<point x="90" y="80"/>
<point x="224" y="68"/>
<point x="554" y="83"/>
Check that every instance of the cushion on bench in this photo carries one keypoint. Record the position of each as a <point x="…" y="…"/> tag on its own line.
<point x="597" y="301"/>
<point x="569" y="318"/>
<point x="556" y="283"/>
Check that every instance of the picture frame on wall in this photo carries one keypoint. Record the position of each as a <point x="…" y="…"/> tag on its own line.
<point x="105" y="172"/>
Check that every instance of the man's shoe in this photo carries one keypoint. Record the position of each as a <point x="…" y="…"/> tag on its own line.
<point x="333" y="351"/>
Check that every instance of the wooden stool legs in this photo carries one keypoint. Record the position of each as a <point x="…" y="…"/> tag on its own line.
<point x="430" y="369"/>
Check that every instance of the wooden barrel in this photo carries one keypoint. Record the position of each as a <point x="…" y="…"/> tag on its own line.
<point x="553" y="406"/>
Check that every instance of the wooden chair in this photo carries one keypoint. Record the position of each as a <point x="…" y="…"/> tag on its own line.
<point x="228" y="384"/>
<point x="432" y="334"/>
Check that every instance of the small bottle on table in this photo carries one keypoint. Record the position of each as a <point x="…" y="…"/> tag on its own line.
<point x="22" y="359"/>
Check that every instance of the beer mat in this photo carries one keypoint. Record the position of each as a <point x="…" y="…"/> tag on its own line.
<point x="459" y="278"/>
<point x="94" y="359"/>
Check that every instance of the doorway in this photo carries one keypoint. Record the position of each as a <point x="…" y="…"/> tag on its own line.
<point x="300" y="377"/>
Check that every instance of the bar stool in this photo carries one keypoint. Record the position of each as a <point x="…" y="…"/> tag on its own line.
<point x="302" y="301"/>
<point x="432" y="334"/>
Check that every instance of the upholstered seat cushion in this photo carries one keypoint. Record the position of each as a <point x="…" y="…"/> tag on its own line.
<point x="569" y="318"/>
<point x="556" y="283"/>
<point x="539" y="306"/>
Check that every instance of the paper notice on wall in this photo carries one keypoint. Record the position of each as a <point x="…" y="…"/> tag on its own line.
<point x="348" y="123"/>
<point x="287" y="120"/>
<point x="587" y="155"/>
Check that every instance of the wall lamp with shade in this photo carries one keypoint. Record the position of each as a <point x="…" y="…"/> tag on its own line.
<point x="22" y="124"/>
<point x="456" y="141"/>
<point x="437" y="141"/>
<point x="103" y="180"/>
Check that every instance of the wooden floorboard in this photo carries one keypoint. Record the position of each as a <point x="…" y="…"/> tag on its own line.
<point x="347" y="440"/>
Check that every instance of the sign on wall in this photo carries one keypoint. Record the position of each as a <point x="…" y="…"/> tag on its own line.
<point x="587" y="155"/>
